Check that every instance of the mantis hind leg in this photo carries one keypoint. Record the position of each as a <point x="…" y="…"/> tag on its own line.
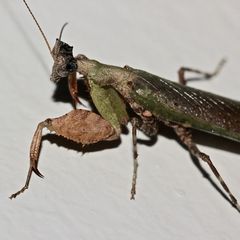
<point x="206" y="75"/>
<point x="185" y="137"/>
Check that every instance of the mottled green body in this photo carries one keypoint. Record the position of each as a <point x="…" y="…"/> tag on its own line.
<point x="169" y="101"/>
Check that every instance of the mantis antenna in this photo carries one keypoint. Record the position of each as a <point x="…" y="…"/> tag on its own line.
<point x="40" y="29"/>
<point x="60" y="35"/>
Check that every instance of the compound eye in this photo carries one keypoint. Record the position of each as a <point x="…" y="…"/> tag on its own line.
<point x="71" y="66"/>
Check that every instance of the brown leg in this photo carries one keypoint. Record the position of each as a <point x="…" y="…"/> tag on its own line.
<point x="34" y="154"/>
<point x="72" y="85"/>
<point x="186" y="137"/>
<point x="135" y="161"/>
<point x="80" y="126"/>
<point x="181" y="72"/>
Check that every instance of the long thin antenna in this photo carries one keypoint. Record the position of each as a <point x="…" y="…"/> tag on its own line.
<point x="60" y="35"/>
<point x="40" y="29"/>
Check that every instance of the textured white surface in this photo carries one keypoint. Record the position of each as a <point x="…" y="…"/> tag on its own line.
<point x="87" y="197"/>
